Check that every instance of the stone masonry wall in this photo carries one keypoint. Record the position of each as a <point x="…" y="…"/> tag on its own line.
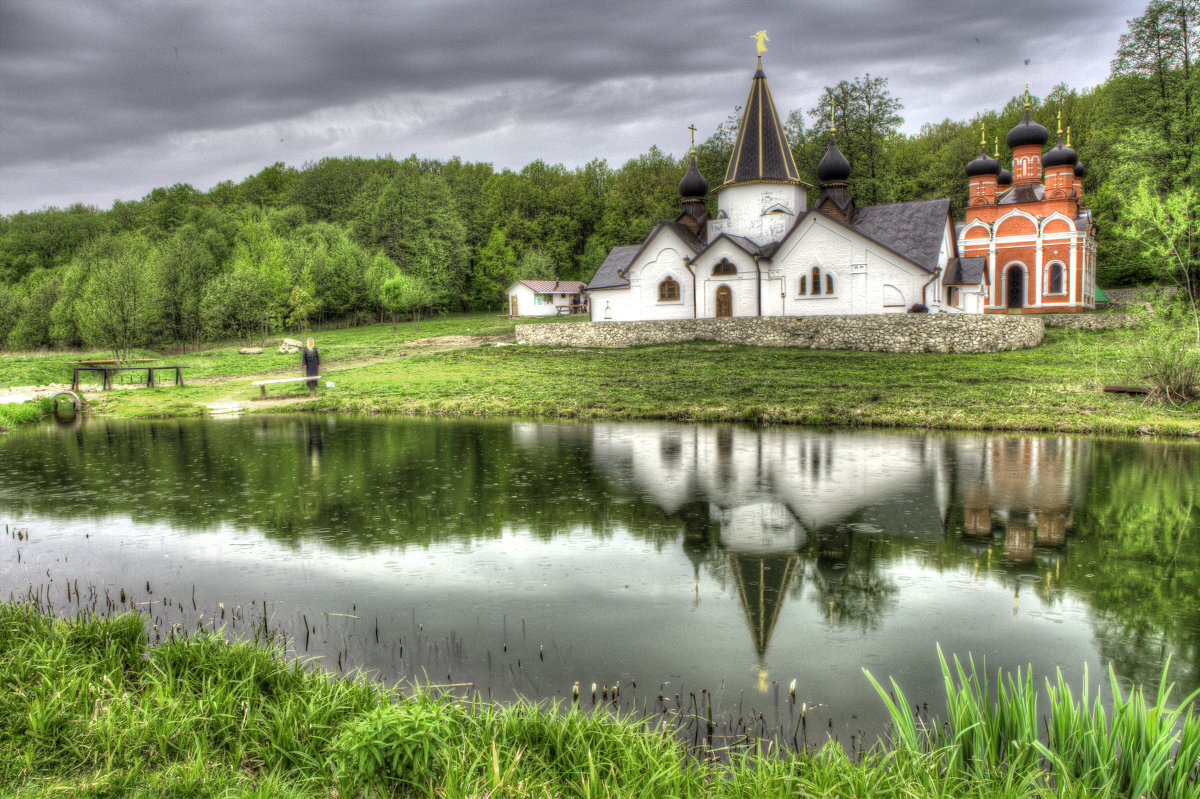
<point x="1137" y="294"/>
<point x="1087" y="321"/>
<point x="875" y="333"/>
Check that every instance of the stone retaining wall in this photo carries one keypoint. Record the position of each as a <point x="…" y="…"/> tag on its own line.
<point x="1137" y="294"/>
<point x="1087" y="321"/>
<point x="875" y="333"/>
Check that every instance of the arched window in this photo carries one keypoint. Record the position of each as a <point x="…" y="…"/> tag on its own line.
<point x="668" y="290"/>
<point x="1055" y="281"/>
<point x="828" y="283"/>
<point x="724" y="268"/>
<point x="816" y="280"/>
<point x="803" y="285"/>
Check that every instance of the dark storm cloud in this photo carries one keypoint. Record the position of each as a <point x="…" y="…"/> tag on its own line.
<point x="148" y="93"/>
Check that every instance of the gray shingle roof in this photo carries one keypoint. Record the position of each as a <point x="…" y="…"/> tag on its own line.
<point x="608" y="275"/>
<point x="1025" y="193"/>
<point x="965" y="271"/>
<point x="913" y="230"/>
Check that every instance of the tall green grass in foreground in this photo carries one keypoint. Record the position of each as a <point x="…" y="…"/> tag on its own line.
<point x="88" y="709"/>
<point x="15" y="413"/>
<point x="1143" y="749"/>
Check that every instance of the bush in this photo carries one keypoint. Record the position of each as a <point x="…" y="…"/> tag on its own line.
<point x="1170" y="353"/>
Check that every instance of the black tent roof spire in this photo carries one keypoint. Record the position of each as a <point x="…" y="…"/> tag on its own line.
<point x="761" y="152"/>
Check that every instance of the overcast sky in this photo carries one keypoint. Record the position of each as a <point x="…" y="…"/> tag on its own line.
<point x="106" y="100"/>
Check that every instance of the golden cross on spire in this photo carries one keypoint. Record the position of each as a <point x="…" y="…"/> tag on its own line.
<point x="1060" y="122"/>
<point x="832" y="120"/>
<point x="1026" y="95"/>
<point x="1068" y="135"/>
<point x="982" y="134"/>
<point x="760" y="38"/>
<point x="997" y="146"/>
<point x="692" y="128"/>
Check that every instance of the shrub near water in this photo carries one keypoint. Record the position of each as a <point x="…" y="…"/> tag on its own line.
<point x="86" y="709"/>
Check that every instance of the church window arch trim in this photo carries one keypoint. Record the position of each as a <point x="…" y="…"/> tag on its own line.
<point x="1055" y="278"/>
<point x="668" y="290"/>
<point x="724" y="267"/>
<point x="816" y="283"/>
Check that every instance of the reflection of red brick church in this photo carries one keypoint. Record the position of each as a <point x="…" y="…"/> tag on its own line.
<point x="1039" y="240"/>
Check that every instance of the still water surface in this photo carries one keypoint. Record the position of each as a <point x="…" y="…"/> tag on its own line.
<point x="518" y="558"/>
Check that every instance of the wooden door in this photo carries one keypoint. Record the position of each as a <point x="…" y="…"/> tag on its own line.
<point x="512" y="305"/>
<point x="724" y="301"/>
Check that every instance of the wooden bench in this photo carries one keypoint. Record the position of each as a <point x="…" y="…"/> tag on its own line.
<point x="262" y="384"/>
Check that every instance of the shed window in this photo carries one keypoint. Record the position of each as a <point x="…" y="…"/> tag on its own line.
<point x="668" y="290"/>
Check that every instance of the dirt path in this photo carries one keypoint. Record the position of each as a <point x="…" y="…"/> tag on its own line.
<point x="230" y="406"/>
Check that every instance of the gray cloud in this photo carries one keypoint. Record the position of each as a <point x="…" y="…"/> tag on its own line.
<point x="107" y="100"/>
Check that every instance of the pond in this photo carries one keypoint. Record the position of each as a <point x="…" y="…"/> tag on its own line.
<point x="518" y="558"/>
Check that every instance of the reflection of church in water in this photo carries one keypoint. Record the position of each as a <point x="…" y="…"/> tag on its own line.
<point x="785" y="512"/>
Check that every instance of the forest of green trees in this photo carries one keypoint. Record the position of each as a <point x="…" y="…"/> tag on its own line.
<point x="350" y="239"/>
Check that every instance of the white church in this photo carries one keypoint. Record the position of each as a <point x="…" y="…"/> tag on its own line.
<point x="768" y="254"/>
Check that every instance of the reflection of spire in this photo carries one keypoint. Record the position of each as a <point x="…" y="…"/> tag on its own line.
<point x="696" y="541"/>
<point x="762" y="582"/>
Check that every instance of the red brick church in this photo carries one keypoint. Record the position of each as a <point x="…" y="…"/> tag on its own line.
<point x="1031" y="225"/>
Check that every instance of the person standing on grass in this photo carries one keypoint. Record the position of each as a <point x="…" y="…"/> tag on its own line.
<point x="312" y="363"/>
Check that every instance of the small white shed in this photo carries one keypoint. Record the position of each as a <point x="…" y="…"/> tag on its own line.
<point x="545" y="297"/>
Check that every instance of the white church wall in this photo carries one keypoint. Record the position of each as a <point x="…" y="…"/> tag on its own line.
<point x="860" y="269"/>
<point x="743" y="285"/>
<point x="748" y="210"/>
<point x="612" y="305"/>
<point x="653" y="267"/>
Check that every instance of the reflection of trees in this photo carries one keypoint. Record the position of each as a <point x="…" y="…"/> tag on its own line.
<point x="848" y="586"/>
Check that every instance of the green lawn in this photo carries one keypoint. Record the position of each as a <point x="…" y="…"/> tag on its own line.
<point x="377" y="369"/>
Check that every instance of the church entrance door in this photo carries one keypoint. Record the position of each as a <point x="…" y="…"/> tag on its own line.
<point x="724" y="301"/>
<point x="1016" y="287"/>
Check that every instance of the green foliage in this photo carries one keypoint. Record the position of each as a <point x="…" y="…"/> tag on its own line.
<point x="495" y="271"/>
<point x="867" y="116"/>
<point x="416" y="224"/>
<point x="401" y="743"/>
<point x="1170" y="352"/>
<point x="121" y="297"/>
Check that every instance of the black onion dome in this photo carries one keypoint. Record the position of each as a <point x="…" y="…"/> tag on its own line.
<point x="693" y="183"/>
<point x="1004" y="178"/>
<point x="1080" y="169"/>
<point x="1027" y="132"/>
<point x="834" y="168"/>
<point x="983" y="165"/>
<point x="1059" y="155"/>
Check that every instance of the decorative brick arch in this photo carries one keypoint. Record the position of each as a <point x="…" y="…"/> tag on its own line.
<point x="1016" y="225"/>
<point x="1057" y="224"/>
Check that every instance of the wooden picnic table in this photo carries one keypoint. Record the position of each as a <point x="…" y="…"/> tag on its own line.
<point x="107" y="372"/>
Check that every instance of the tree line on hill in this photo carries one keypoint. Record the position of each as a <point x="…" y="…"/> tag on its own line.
<point x="353" y="239"/>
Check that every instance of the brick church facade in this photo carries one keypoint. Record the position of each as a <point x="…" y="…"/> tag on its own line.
<point x="1031" y="225"/>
